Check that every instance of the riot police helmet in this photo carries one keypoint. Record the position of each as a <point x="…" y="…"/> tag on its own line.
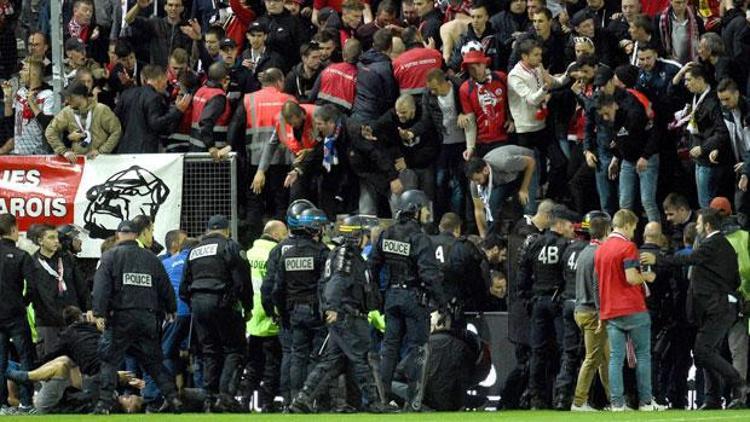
<point x="354" y="227"/>
<point x="312" y="220"/>
<point x="586" y="223"/>
<point x="294" y="211"/>
<point x="411" y="202"/>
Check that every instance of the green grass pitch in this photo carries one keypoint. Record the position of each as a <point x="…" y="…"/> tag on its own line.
<point x="517" y="416"/>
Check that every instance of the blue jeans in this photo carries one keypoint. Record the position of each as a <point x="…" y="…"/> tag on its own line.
<point x="706" y="180"/>
<point x="605" y="187"/>
<point x="18" y="331"/>
<point x="450" y="180"/>
<point x="647" y="181"/>
<point x="638" y="328"/>
<point x="502" y="192"/>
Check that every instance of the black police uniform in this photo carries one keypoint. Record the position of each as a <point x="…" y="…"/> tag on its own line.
<point x="463" y="278"/>
<point x="294" y="268"/>
<point x="15" y="266"/>
<point x="571" y="343"/>
<point x="132" y="291"/>
<point x="217" y="285"/>
<point x="409" y="257"/>
<point x="348" y="289"/>
<point x="540" y="278"/>
<point x="518" y="316"/>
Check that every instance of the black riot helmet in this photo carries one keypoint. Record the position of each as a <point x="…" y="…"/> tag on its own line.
<point x="354" y="227"/>
<point x="69" y="241"/>
<point x="586" y="223"/>
<point x="294" y="211"/>
<point x="411" y="202"/>
<point x="312" y="220"/>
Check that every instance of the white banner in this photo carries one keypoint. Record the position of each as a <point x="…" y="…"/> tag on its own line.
<point x="120" y="187"/>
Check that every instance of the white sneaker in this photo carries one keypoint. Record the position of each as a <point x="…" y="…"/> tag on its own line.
<point x="622" y="408"/>
<point x="583" y="408"/>
<point x="652" y="407"/>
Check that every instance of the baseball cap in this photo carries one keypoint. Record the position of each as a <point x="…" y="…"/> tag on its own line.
<point x="721" y="204"/>
<point x="603" y="75"/>
<point x="126" y="226"/>
<point x="218" y="222"/>
<point x="258" y="27"/>
<point x="227" y="43"/>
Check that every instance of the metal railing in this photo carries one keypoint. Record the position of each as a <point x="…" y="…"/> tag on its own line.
<point x="208" y="188"/>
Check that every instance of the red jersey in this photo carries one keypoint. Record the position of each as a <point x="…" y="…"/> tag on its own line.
<point x="617" y="297"/>
<point x="489" y="103"/>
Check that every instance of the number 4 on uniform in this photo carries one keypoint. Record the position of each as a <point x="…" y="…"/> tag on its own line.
<point x="548" y="255"/>
<point x="439" y="254"/>
<point x="573" y="262"/>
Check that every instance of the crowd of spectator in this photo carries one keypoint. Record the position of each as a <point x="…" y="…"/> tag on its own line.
<point x="493" y="109"/>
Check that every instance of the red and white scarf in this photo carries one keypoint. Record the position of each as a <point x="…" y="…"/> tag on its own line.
<point x="665" y="31"/>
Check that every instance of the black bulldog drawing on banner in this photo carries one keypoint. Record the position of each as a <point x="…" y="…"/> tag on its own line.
<point x="123" y="196"/>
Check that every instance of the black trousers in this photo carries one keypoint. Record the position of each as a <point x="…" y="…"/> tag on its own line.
<point x="264" y="367"/>
<point x="714" y="317"/>
<point x="137" y="333"/>
<point x="546" y="336"/>
<point x="348" y="344"/>
<point x="547" y="148"/>
<point x="221" y="338"/>
<point x="571" y="355"/>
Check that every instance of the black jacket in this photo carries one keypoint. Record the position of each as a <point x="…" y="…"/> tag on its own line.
<point x="116" y="85"/>
<point x="423" y="149"/>
<point x="712" y="132"/>
<point x="613" y="33"/>
<point x="131" y="277"/>
<point x="163" y="37"/>
<point x="489" y="42"/>
<point x="634" y="135"/>
<point x="735" y="33"/>
<point x="44" y="293"/>
<point x="312" y="164"/>
<point x="300" y="86"/>
<point x="15" y="266"/>
<point x="431" y="112"/>
<point x="267" y="60"/>
<point x="145" y="117"/>
<point x="285" y="36"/>
<point x="553" y="51"/>
<point x="80" y="342"/>
<point x="372" y="161"/>
<point x="376" y="88"/>
<point x="430" y="27"/>
<point x="715" y="274"/>
<point x="506" y="24"/>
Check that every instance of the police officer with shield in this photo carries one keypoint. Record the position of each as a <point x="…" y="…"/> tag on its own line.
<point x="290" y="287"/>
<point x="414" y="278"/>
<point x="132" y="292"/>
<point x="217" y="287"/>
<point x="347" y="293"/>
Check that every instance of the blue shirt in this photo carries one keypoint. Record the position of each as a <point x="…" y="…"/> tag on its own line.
<point x="175" y="266"/>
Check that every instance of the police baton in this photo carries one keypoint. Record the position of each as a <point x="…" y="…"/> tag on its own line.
<point x="325" y="343"/>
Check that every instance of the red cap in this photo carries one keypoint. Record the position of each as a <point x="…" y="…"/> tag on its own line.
<point x="722" y="204"/>
<point x="474" y="56"/>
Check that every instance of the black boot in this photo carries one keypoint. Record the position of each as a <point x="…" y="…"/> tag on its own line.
<point x="303" y="403"/>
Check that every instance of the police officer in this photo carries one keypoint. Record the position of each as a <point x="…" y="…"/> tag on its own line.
<point x="290" y="288"/>
<point x="132" y="291"/>
<point x="571" y="342"/>
<point x="413" y="274"/>
<point x="461" y="263"/>
<point x="540" y="279"/>
<point x="348" y="292"/>
<point x="217" y="287"/>
<point x="518" y="317"/>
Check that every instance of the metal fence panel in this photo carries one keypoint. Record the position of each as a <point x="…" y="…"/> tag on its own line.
<point x="208" y="188"/>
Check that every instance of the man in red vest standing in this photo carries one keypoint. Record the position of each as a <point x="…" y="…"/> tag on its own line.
<point x="210" y="114"/>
